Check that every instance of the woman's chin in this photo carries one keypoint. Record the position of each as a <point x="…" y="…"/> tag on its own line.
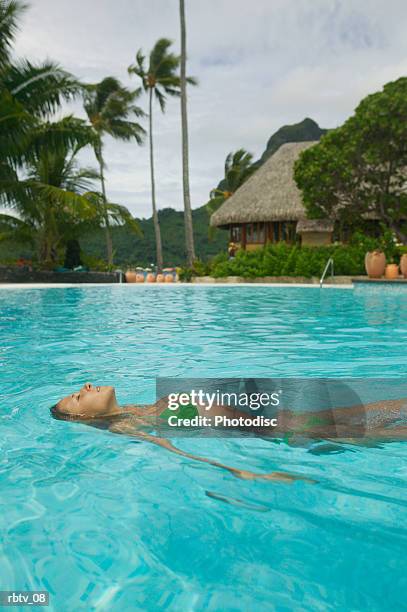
<point x="109" y="392"/>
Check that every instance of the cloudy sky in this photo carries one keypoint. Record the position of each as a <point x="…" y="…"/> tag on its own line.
<point x="260" y="65"/>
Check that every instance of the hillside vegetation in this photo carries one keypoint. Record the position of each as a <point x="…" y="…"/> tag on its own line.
<point x="130" y="249"/>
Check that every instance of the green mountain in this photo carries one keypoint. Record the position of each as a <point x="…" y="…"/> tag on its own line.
<point x="140" y="250"/>
<point x="303" y="131"/>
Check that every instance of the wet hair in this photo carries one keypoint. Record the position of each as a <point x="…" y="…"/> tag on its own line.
<point x="61" y="416"/>
<point x="102" y="422"/>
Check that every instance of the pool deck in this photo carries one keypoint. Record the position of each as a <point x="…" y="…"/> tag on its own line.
<point x="165" y="286"/>
<point x="274" y="280"/>
<point x="338" y="282"/>
<point x="378" y="281"/>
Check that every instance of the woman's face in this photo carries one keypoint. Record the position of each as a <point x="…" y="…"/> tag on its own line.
<point x="89" y="402"/>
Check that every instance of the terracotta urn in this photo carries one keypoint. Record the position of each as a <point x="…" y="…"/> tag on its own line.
<point x="169" y="278"/>
<point x="160" y="278"/>
<point x="139" y="278"/>
<point x="403" y="265"/>
<point x="131" y="277"/>
<point x="375" y="264"/>
<point x="150" y="278"/>
<point x="392" y="271"/>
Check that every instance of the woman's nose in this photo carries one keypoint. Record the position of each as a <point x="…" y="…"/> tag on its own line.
<point x="88" y="386"/>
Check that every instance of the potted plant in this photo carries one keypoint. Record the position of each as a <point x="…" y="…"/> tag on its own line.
<point x="392" y="270"/>
<point x="375" y="263"/>
<point x="403" y="265"/>
<point x="130" y="276"/>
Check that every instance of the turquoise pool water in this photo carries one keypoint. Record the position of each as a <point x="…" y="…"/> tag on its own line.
<point x="107" y="523"/>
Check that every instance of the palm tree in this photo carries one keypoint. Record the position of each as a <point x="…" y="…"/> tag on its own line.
<point x="160" y="80"/>
<point x="189" y="230"/>
<point x="238" y="167"/>
<point x="52" y="191"/>
<point x="28" y="92"/>
<point x="54" y="203"/>
<point x="109" y="105"/>
<point x="50" y="202"/>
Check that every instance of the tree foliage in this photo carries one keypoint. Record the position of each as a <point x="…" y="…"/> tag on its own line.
<point x="111" y="109"/>
<point x="10" y="14"/>
<point x="49" y="203"/>
<point x="51" y="200"/>
<point x="161" y="74"/>
<point x="359" y="170"/>
<point x="281" y="259"/>
<point x="238" y="168"/>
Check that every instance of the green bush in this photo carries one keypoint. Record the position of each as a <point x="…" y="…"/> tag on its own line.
<point x="200" y="268"/>
<point x="291" y="260"/>
<point x="95" y="264"/>
<point x="185" y="275"/>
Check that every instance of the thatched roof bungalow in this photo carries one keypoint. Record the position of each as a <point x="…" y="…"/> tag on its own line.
<point x="268" y="206"/>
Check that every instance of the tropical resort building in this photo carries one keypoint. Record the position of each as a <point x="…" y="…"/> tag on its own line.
<point x="268" y="207"/>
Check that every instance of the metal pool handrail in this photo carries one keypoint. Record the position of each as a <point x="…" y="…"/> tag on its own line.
<point x="330" y="262"/>
<point x="120" y="273"/>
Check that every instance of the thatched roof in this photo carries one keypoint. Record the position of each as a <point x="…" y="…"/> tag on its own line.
<point x="270" y="194"/>
<point x="314" y="225"/>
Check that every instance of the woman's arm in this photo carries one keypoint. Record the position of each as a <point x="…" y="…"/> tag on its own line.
<point x="127" y="428"/>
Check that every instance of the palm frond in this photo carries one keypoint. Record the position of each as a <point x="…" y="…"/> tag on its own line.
<point x="41" y="88"/>
<point x="80" y="180"/>
<point x="238" y="167"/>
<point x="68" y="134"/>
<point x="192" y="81"/>
<point x="139" y="67"/>
<point x="161" y="99"/>
<point x="15" y="128"/>
<point x="158" y="54"/>
<point x="105" y="90"/>
<point x="109" y="106"/>
<point x="10" y="14"/>
<point x="213" y="204"/>
<point x="174" y="93"/>
<point x="136" y="110"/>
<point x="127" y="130"/>
<point x="13" y="228"/>
<point x="68" y="202"/>
<point x="120" y="215"/>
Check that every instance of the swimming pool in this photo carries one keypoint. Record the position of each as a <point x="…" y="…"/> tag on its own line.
<point x="107" y="523"/>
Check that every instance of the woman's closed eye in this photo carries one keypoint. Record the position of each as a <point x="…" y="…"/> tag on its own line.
<point x="76" y="396"/>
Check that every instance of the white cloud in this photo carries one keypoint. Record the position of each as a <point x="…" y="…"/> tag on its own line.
<point x="260" y="65"/>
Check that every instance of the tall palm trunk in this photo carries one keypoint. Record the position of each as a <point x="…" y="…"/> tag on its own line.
<point x="158" y="244"/>
<point x="49" y="238"/>
<point x="109" y="244"/>
<point x="189" y="231"/>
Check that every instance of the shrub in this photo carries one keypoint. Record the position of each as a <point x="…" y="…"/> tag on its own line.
<point x="185" y="274"/>
<point x="93" y="263"/>
<point x="291" y="260"/>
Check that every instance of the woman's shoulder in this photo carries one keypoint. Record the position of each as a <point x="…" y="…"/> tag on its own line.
<point x="140" y="410"/>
